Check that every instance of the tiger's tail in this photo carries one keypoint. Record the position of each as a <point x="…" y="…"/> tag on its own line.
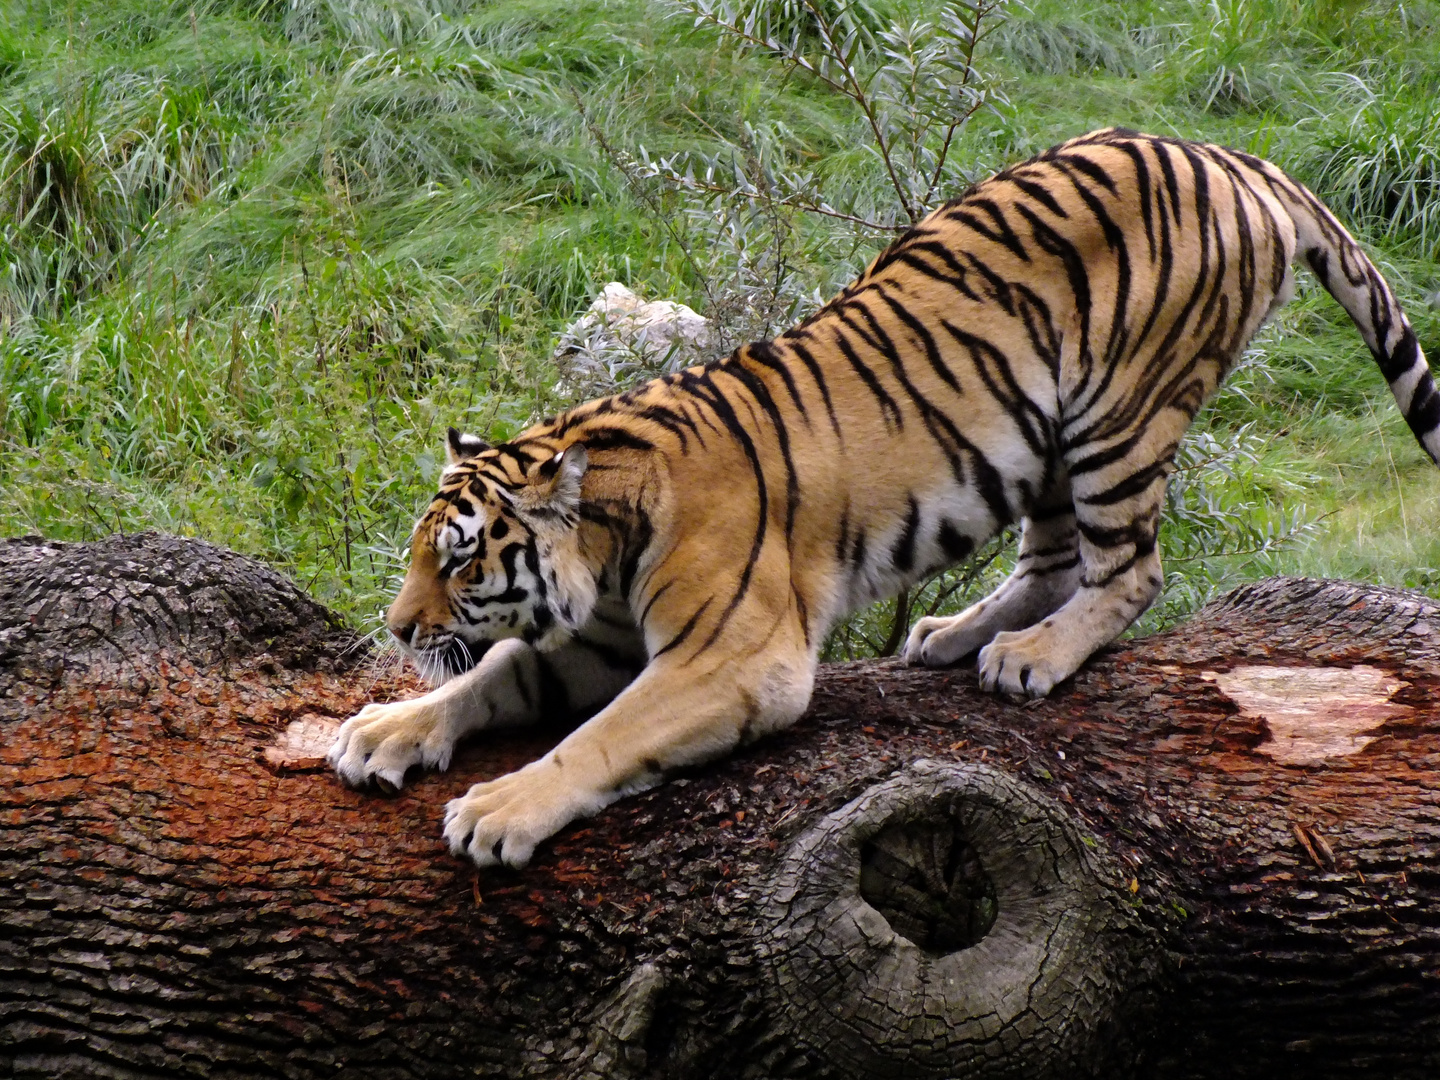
<point x="1349" y="275"/>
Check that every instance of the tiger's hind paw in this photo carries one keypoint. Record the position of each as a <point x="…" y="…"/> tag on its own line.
<point x="1021" y="664"/>
<point x="944" y="641"/>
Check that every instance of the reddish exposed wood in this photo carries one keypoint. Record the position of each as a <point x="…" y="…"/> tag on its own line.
<point x="175" y="903"/>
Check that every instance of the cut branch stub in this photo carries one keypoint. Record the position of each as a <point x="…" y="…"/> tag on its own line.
<point x="947" y="918"/>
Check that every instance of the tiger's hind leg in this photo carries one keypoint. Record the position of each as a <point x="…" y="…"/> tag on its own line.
<point x="1046" y="574"/>
<point x="1117" y="515"/>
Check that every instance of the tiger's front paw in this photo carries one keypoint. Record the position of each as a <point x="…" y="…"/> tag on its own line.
<point x="381" y="742"/>
<point x="503" y="819"/>
<point x="1021" y="663"/>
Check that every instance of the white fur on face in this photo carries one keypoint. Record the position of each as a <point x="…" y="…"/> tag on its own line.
<point x="458" y="540"/>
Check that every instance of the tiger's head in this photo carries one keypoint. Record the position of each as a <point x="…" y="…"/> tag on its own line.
<point x="495" y="556"/>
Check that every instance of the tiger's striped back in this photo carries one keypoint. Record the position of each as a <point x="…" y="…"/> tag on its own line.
<point x="1036" y="346"/>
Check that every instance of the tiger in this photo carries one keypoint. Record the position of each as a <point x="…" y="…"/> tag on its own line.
<point x="668" y="561"/>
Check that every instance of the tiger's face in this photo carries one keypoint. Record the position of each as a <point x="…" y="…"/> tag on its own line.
<point x="494" y="556"/>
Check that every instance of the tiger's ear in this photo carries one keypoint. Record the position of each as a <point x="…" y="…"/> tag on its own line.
<point x="553" y="487"/>
<point x="459" y="446"/>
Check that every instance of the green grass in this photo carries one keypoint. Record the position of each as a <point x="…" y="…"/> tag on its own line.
<point x="256" y="256"/>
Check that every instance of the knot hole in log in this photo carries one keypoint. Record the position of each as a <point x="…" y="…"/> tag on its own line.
<point x="947" y="917"/>
<point x="927" y="879"/>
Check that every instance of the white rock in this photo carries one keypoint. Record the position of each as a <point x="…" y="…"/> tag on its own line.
<point x="622" y="339"/>
<point x="651" y="327"/>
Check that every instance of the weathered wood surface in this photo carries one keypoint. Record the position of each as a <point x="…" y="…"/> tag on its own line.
<point x="1168" y="868"/>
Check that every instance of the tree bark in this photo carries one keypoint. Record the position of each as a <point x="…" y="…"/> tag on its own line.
<point x="1214" y="852"/>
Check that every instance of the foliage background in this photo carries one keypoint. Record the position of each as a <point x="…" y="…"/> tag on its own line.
<point x="256" y="255"/>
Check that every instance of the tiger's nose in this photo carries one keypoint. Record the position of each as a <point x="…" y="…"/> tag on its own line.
<point x="404" y="633"/>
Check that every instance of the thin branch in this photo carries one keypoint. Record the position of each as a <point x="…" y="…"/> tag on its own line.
<point x="785" y="52"/>
<point x="858" y="95"/>
<point x="981" y="11"/>
<point x="759" y="197"/>
<point x="973" y="570"/>
<point x="950" y="129"/>
<point x="639" y="190"/>
<point x="898" y="625"/>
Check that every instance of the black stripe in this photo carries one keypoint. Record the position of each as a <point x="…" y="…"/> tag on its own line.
<point x="1034" y="425"/>
<point x="1405" y="355"/>
<point x="927" y="340"/>
<point x="1134" y="484"/>
<point x="613" y="438"/>
<point x="903" y="554"/>
<point x="955" y="544"/>
<point x="1133" y="532"/>
<point x="1051" y="568"/>
<point x="675" y="423"/>
<point x="702" y="387"/>
<point x="1205" y="275"/>
<point x="888" y="409"/>
<point x="1000" y="290"/>
<point x="1124" y="566"/>
<point x="1164" y="272"/>
<point x="508" y="555"/>
<point x="1040" y="194"/>
<point x="938" y="423"/>
<point x="1044" y="337"/>
<point x="645" y="611"/>
<point x="880" y="262"/>
<point x="765" y="354"/>
<point x="1002" y="233"/>
<point x="1144" y="185"/>
<point x="858" y="553"/>
<point x="808" y="359"/>
<point x="1172" y="185"/>
<point x="637" y="534"/>
<point x="1424" y="414"/>
<point x="685" y="631"/>
<point x="761" y="393"/>
<point x="512" y="594"/>
<point x="1098" y="459"/>
<point x="955" y="280"/>
<point x="1055" y="244"/>
<point x="1115" y="348"/>
<point x="1089" y="168"/>
<point x="1067" y="547"/>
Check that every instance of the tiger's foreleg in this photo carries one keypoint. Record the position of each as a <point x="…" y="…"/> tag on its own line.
<point x="670" y="717"/>
<point x="1119" y="576"/>
<point x="1046" y="574"/>
<point x="511" y="685"/>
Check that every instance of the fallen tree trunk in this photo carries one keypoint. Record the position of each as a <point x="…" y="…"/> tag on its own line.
<point x="1215" y="852"/>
